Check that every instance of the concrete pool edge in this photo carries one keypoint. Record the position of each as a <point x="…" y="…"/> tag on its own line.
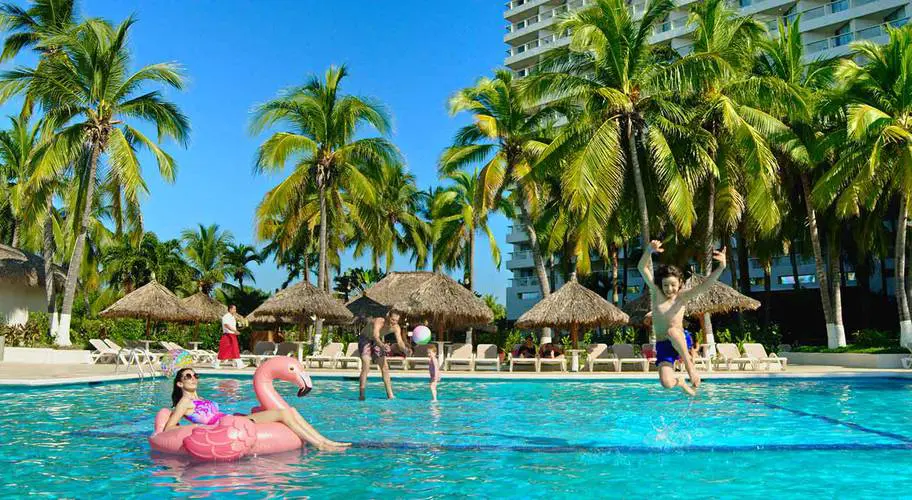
<point x="420" y="375"/>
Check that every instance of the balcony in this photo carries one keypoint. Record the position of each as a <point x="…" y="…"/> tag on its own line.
<point x="521" y="259"/>
<point x="517" y="235"/>
<point x="841" y="42"/>
<point x="524" y="281"/>
<point x="516" y="9"/>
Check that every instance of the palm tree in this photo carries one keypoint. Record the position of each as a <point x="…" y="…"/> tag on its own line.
<point x="206" y="250"/>
<point x="807" y="148"/>
<point x="456" y="219"/>
<point x="90" y="95"/>
<point x="876" y="165"/>
<point x="33" y="26"/>
<point x="739" y="167"/>
<point x="129" y="266"/>
<point x="390" y="222"/>
<point x="620" y="85"/>
<point x="321" y="141"/>
<point x="237" y="257"/>
<point x="506" y="135"/>
<point x="22" y="150"/>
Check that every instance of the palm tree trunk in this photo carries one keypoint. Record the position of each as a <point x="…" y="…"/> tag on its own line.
<point x="47" y="252"/>
<point x="638" y="181"/>
<point x="839" y="338"/>
<point x="69" y="291"/>
<point x="16" y="231"/>
<point x="614" y="275"/>
<point x="732" y="263"/>
<point x="899" y="255"/>
<point x="624" y="273"/>
<point x="708" y="242"/>
<point x="321" y="271"/>
<point x="541" y="272"/>
<point x="767" y="294"/>
<point x="306" y="268"/>
<point x="470" y="274"/>
<point x="819" y="263"/>
<point x="794" y="261"/>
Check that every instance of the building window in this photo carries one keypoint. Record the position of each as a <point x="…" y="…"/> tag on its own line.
<point x="633" y="290"/>
<point x="843" y="36"/>
<point x="745" y="3"/>
<point x="896" y="18"/>
<point x="804" y="279"/>
<point x="850" y="276"/>
<point x="758" y="281"/>
<point x="839" y="6"/>
<point x="528" y="296"/>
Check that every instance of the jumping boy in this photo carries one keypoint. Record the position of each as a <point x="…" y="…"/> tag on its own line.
<point x="668" y="308"/>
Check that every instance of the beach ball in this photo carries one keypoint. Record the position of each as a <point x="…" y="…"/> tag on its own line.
<point x="421" y="335"/>
<point x="174" y="360"/>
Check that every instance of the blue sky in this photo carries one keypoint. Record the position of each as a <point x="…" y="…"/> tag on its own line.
<point x="411" y="55"/>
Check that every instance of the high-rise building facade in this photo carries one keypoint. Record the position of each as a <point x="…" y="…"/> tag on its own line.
<point x="827" y="29"/>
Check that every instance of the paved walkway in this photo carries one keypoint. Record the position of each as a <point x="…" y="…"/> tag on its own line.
<point x="29" y="374"/>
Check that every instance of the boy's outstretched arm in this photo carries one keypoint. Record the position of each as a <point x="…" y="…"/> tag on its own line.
<point x="645" y="265"/>
<point x="718" y="256"/>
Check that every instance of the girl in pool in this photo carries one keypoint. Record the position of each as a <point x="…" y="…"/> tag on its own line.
<point x="668" y="307"/>
<point x="433" y="369"/>
<point x="188" y="404"/>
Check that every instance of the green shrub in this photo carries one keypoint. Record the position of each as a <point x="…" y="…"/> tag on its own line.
<point x="35" y="333"/>
<point x="852" y="348"/>
<point x="870" y="337"/>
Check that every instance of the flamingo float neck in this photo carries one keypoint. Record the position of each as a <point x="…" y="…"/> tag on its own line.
<point x="283" y="368"/>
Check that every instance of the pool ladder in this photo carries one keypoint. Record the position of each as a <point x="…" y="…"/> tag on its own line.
<point x="138" y="357"/>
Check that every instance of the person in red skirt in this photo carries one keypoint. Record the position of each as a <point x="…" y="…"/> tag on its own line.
<point x="229" y="347"/>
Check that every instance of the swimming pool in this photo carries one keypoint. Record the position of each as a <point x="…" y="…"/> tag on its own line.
<point x="793" y="438"/>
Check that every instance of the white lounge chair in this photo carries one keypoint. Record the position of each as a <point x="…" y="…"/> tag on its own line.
<point x="262" y="351"/>
<point x="419" y="357"/>
<point x="104" y="352"/>
<point x="351" y="355"/>
<point x="600" y="355"/>
<point x="287" y="349"/>
<point x="626" y="356"/>
<point x="729" y="354"/>
<point x="461" y="354"/>
<point x="198" y="355"/>
<point x="486" y="354"/>
<point x="648" y="351"/>
<point x="559" y="361"/>
<point x="142" y="355"/>
<point x="757" y="353"/>
<point x="329" y="354"/>
<point x="907" y="361"/>
<point x="522" y="361"/>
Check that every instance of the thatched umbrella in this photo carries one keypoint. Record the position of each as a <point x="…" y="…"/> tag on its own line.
<point x="423" y="295"/>
<point x="720" y="298"/>
<point x="572" y="306"/>
<point x="208" y="309"/>
<point x="442" y="301"/>
<point x="298" y="303"/>
<point x="151" y="301"/>
<point x="22" y="268"/>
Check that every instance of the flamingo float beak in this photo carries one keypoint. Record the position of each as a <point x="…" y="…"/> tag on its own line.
<point x="305" y="386"/>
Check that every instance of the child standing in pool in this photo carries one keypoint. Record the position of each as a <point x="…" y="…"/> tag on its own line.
<point x="668" y="307"/>
<point x="433" y="369"/>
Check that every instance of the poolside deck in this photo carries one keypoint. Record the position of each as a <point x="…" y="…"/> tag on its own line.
<point x="30" y="374"/>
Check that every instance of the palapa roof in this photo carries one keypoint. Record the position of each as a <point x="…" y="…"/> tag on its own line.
<point x="19" y="267"/>
<point x="434" y="297"/>
<point x="720" y="299"/>
<point x="572" y="304"/>
<point x="207" y="308"/>
<point x="151" y="301"/>
<point x="363" y="306"/>
<point x="299" y="302"/>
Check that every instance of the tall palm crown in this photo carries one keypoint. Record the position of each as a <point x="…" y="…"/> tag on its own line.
<point x="389" y="221"/>
<point x="320" y="140"/>
<point x="31" y="26"/>
<point x="22" y="151"/>
<point x="237" y="257"/>
<point x="876" y="165"/>
<point x="206" y="250"/>
<point x="621" y="86"/>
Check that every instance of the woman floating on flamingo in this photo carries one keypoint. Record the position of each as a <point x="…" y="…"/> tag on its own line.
<point x="273" y="427"/>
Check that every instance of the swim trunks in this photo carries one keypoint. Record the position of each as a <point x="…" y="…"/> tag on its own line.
<point x="666" y="353"/>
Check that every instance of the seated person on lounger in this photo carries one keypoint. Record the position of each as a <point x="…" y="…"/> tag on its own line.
<point x="550" y="350"/>
<point x="526" y="350"/>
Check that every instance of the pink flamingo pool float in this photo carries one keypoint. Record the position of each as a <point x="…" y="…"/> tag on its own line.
<point x="233" y="437"/>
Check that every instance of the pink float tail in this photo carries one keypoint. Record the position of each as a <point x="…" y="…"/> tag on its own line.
<point x="231" y="438"/>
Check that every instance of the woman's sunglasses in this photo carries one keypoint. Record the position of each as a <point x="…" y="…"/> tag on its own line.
<point x="188" y="376"/>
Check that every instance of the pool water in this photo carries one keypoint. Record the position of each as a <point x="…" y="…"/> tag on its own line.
<point x="506" y="439"/>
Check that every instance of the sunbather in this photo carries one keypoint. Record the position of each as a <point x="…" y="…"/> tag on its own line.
<point x="550" y="350"/>
<point x="526" y="350"/>
<point x="188" y="404"/>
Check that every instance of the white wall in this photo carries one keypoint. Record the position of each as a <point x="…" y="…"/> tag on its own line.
<point x="17" y="300"/>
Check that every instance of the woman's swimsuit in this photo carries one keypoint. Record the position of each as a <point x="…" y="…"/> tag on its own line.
<point x="205" y="412"/>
